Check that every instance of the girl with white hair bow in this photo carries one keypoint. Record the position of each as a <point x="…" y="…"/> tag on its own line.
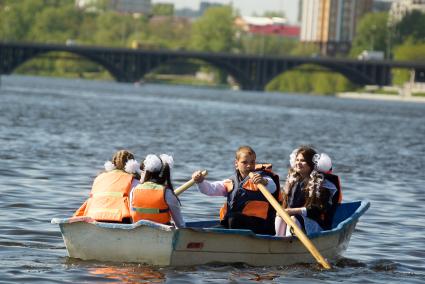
<point x="311" y="192"/>
<point x="154" y="199"/>
<point x="109" y="196"/>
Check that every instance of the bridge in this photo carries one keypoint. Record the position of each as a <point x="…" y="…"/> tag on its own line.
<point x="252" y="72"/>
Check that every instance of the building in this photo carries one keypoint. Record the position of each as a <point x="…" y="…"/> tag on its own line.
<point x="381" y="6"/>
<point x="194" y="14"/>
<point x="400" y="8"/>
<point x="122" y="6"/>
<point x="267" y="26"/>
<point x="131" y="6"/>
<point x="331" y="24"/>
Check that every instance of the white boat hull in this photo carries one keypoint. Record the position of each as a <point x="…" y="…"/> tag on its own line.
<point x="156" y="244"/>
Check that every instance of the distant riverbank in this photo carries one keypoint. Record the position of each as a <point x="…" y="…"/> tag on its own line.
<point x="371" y="96"/>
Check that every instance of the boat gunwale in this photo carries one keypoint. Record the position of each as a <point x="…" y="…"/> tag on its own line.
<point x="122" y="226"/>
<point x="354" y="217"/>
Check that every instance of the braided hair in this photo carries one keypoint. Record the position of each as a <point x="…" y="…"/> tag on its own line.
<point x="120" y="158"/>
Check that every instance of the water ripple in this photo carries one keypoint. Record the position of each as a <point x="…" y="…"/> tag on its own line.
<point x="56" y="134"/>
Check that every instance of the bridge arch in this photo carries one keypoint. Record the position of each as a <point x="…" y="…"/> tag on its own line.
<point x="24" y="58"/>
<point x="230" y="70"/>
<point x="308" y="78"/>
<point x="355" y="76"/>
<point x="233" y="70"/>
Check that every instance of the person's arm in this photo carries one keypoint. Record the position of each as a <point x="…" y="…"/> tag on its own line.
<point x="209" y="188"/>
<point x="297" y="211"/>
<point x="175" y="210"/>
<point x="271" y="186"/>
<point x="134" y="183"/>
<point x="216" y="188"/>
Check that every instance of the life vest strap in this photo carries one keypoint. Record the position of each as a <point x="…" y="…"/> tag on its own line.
<point x="149" y="210"/>
<point x="149" y="185"/>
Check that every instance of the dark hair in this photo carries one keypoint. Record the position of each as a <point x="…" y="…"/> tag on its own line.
<point x="308" y="153"/>
<point x="162" y="176"/>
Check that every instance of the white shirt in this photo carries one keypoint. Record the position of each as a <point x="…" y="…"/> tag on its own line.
<point x="217" y="188"/>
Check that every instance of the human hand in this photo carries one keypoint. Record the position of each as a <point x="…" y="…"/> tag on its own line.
<point x="257" y="178"/>
<point x="198" y="177"/>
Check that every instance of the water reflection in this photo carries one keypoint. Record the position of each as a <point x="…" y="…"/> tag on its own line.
<point x="128" y="274"/>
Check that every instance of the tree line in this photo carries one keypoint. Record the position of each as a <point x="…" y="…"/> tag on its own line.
<point x="59" y="21"/>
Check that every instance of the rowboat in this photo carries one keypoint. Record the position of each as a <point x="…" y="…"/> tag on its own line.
<point x="201" y="242"/>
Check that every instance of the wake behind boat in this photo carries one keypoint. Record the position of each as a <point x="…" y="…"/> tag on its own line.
<point x="201" y="243"/>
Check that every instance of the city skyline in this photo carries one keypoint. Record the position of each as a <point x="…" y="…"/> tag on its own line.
<point x="246" y="7"/>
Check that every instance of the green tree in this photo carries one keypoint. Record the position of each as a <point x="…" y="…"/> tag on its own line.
<point x="271" y="14"/>
<point x="87" y="29"/>
<point x="409" y="51"/>
<point x="371" y="34"/>
<point x="214" y="30"/>
<point x="16" y="19"/>
<point x="54" y="24"/>
<point x="305" y="49"/>
<point x="266" y="44"/>
<point x="163" y="9"/>
<point x="411" y="26"/>
<point x="113" y="29"/>
<point x="310" y="79"/>
<point x="168" y="32"/>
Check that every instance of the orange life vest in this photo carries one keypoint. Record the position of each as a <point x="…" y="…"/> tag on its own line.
<point x="108" y="198"/>
<point x="148" y="203"/>
<point x="250" y="201"/>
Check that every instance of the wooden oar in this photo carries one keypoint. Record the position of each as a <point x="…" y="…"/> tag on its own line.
<point x="188" y="184"/>
<point x="298" y="232"/>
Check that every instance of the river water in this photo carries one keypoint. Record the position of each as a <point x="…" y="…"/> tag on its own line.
<point x="55" y="135"/>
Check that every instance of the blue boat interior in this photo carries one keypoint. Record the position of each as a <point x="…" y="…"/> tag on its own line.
<point x="345" y="214"/>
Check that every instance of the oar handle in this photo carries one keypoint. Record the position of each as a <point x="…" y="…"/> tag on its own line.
<point x="298" y="232"/>
<point x="188" y="184"/>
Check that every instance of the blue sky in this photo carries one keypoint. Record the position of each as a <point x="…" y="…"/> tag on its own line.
<point x="246" y="7"/>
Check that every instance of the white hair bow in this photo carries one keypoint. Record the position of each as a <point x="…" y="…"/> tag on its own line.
<point x="109" y="166"/>
<point x="152" y="163"/>
<point x="132" y="167"/>
<point x="322" y="163"/>
<point x="293" y="157"/>
<point x="168" y="159"/>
